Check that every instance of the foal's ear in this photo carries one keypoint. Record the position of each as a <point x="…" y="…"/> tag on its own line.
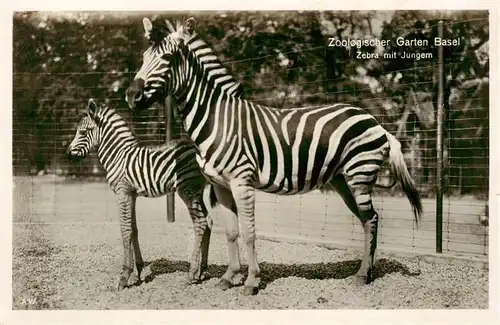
<point x="189" y="26"/>
<point x="91" y="107"/>
<point x="148" y="27"/>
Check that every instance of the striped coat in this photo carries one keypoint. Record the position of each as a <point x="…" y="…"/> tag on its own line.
<point x="245" y="146"/>
<point x="133" y="170"/>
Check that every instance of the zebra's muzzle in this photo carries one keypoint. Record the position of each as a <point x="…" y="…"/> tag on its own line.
<point x="134" y="93"/>
<point x="75" y="155"/>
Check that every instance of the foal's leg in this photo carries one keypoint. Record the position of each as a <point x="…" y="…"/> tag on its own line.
<point x="193" y="198"/>
<point x="125" y="204"/>
<point x="244" y="197"/>
<point x="199" y="256"/>
<point x="205" y="245"/>
<point x="139" y="263"/>
<point x="225" y="198"/>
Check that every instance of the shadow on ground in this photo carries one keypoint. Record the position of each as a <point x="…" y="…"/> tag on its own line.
<point x="271" y="271"/>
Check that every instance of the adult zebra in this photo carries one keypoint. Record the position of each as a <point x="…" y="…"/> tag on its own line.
<point x="244" y="146"/>
<point x="133" y="170"/>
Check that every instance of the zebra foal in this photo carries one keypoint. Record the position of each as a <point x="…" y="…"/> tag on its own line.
<point x="244" y="146"/>
<point x="133" y="170"/>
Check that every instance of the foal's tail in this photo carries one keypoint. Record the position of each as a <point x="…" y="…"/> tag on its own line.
<point x="401" y="173"/>
<point x="210" y="201"/>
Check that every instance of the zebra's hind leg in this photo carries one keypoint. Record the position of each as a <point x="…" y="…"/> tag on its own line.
<point x="125" y="203"/>
<point x="357" y="196"/>
<point x="369" y="220"/>
<point x="370" y="225"/>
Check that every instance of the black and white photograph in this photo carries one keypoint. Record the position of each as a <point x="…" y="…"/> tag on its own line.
<point x="251" y="160"/>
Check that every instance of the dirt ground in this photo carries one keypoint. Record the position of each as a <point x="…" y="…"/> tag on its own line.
<point x="67" y="255"/>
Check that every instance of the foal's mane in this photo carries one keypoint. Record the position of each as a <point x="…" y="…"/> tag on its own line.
<point x="110" y="117"/>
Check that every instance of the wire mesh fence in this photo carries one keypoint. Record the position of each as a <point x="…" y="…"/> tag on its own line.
<point x="401" y="94"/>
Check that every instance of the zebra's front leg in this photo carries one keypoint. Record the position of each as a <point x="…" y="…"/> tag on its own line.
<point x="244" y="197"/>
<point x="233" y="267"/>
<point x="225" y="198"/>
<point x="125" y="203"/>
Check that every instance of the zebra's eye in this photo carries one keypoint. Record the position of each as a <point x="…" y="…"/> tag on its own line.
<point x="167" y="56"/>
<point x="82" y="132"/>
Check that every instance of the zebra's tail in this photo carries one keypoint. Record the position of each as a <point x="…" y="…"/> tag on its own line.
<point x="401" y="173"/>
<point x="213" y="197"/>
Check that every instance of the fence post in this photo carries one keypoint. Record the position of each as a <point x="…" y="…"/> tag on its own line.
<point x="169" y="119"/>
<point x="439" y="146"/>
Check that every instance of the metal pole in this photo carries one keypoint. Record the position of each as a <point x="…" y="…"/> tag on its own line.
<point x="439" y="146"/>
<point x="169" y="119"/>
<point x="460" y="181"/>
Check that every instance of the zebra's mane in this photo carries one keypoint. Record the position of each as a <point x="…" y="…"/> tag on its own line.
<point x="210" y="62"/>
<point x="109" y="117"/>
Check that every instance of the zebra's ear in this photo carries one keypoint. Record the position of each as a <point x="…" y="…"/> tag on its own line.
<point x="189" y="26"/>
<point x="170" y="26"/>
<point x="91" y="107"/>
<point x="148" y="27"/>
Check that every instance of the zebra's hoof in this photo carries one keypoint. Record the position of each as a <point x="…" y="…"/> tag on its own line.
<point x="122" y="283"/>
<point x="193" y="281"/>
<point x="224" y="284"/>
<point x="204" y="276"/>
<point x="250" y="291"/>
<point x="197" y="280"/>
<point x="362" y="279"/>
<point x="135" y="279"/>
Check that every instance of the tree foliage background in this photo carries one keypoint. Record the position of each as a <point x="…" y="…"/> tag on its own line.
<point x="282" y="59"/>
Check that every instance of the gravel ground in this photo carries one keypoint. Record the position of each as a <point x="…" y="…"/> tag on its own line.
<point x="76" y="266"/>
<point x="67" y="255"/>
